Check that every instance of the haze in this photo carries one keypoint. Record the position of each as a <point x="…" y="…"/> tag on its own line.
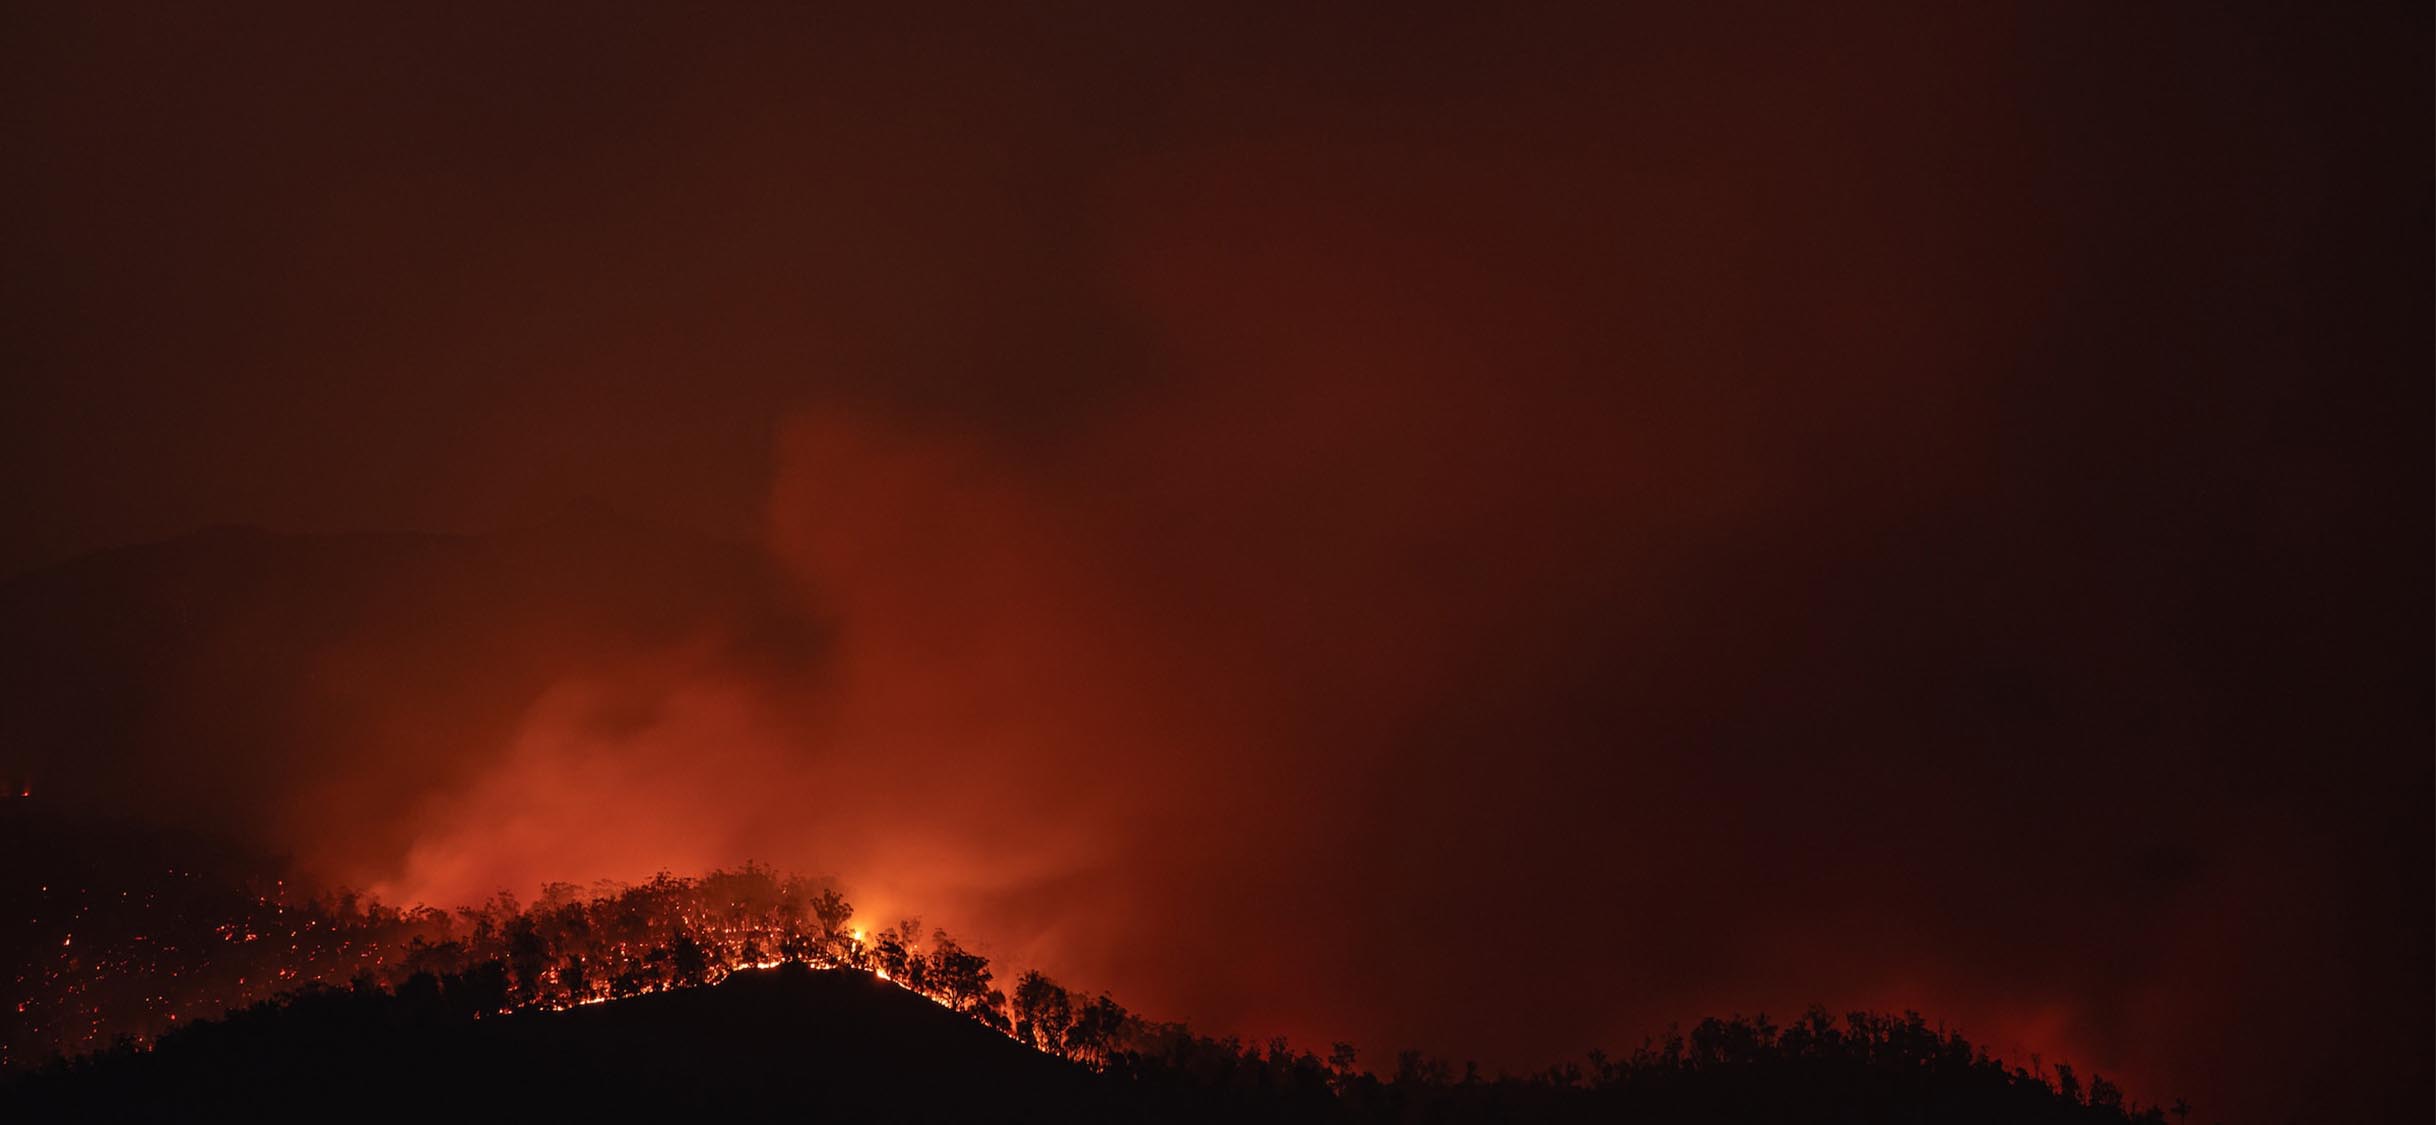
<point x="1464" y="531"/>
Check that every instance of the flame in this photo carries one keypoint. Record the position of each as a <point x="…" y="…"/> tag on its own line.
<point x="178" y="965"/>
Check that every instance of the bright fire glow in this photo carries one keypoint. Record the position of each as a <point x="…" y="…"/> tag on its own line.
<point x="137" y="965"/>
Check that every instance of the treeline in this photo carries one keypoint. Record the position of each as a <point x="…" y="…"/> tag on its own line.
<point x="575" y="946"/>
<point x="104" y="965"/>
<point x="794" y="1038"/>
<point x="1864" y="1067"/>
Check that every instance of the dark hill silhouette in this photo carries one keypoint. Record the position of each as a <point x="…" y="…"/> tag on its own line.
<point x="842" y="1045"/>
<point x="815" y="1045"/>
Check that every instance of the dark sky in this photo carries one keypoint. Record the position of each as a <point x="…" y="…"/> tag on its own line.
<point x="1491" y="531"/>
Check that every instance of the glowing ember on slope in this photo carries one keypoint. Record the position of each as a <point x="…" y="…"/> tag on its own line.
<point x="196" y="957"/>
<point x="147" y="964"/>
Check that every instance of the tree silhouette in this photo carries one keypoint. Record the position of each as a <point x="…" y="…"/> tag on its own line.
<point x="960" y="977"/>
<point x="691" y="965"/>
<point x="419" y="971"/>
<point x="1042" y="1012"/>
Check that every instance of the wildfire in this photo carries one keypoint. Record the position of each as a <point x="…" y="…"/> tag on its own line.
<point x="148" y="963"/>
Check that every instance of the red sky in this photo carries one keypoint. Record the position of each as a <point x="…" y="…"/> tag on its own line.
<point x="1473" y="531"/>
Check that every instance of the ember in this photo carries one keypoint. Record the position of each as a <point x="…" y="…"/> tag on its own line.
<point x="151" y="961"/>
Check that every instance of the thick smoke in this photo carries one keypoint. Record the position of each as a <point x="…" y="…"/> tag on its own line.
<point x="1480" y="536"/>
<point x="1444" y="638"/>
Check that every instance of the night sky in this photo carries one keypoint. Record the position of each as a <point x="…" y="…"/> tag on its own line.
<point x="1490" y="531"/>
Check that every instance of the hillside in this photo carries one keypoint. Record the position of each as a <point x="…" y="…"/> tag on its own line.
<point x="842" y="1045"/>
<point x="819" y="1045"/>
